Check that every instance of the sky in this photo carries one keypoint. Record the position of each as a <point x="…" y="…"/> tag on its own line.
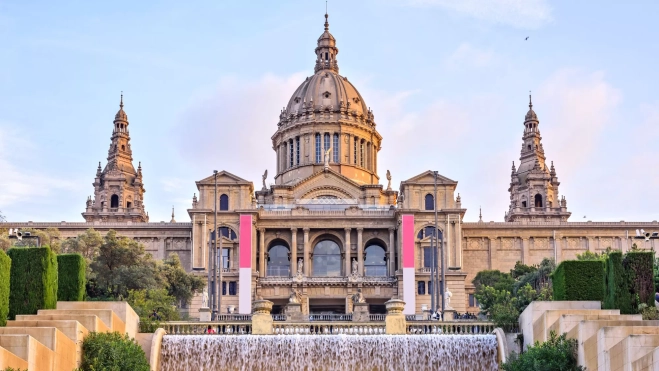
<point x="447" y="80"/>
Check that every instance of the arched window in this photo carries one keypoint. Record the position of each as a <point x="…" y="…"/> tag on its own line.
<point x="123" y="148"/>
<point x="327" y="259"/>
<point x="430" y="202"/>
<point x="224" y="202"/>
<point x="318" y="149"/>
<point x="374" y="264"/>
<point x="538" y="200"/>
<point x="335" y="150"/>
<point x="279" y="263"/>
<point x="114" y="201"/>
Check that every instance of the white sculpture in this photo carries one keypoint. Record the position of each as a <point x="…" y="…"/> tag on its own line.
<point x="300" y="267"/>
<point x="204" y="299"/>
<point x="355" y="268"/>
<point x="327" y="157"/>
<point x="447" y="299"/>
<point x="389" y="179"/>
<point x="295" y="297"/>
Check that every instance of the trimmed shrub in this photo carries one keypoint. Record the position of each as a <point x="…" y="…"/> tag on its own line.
<point x="579" y="280"/>
<point x="70" y="277"/>
<point x="5" y="268"/>
<point x="617" y="285"/>
<point x="112" y="351"/>
<point x="33" y="282"/>
<point x="639" y="269"/>
<point x="557" y="353"/>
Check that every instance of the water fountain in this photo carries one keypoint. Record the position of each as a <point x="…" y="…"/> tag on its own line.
<point x="329" y="352"/>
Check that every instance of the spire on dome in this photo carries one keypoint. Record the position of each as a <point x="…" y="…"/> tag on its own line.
<point x="326" y="50"/>
<point x="121" y="115"/>
<point x="531" y="115"/>
<point x="173" y="220"/>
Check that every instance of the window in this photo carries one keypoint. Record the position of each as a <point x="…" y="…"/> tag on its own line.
<point x="529" y="147"/>
<point x="538" y="200"/>
<point x="128" y="204"/>
<point x="421" y="287"/>
<point x="429" y="287"/>
<point x="374" y="263"/>
<point x="224" y="287"/>
<point x="361" y="153"/>
<point x="355" y="143"/>
<point x="285" y="154"/>
<point x="297" y="150"/>
<point x="430" y="202"/>
<point x="327" y="141"/>
<point x="232" y="287"/>
<point x="226" y="258"/>
<point x="290" y="154"/>
<point x="427" y="232"/>
<point x="335" y="151"/>
<point x="224" y="202"/>
<point x="318" y="160"/>
<point x="279" y="264"/>
<point x="114" y="201"/>
<point x="427" y="257"/>
<point x="327" y="259"/>
<point x="123" y="147"/>
<point x="472" y="300"/>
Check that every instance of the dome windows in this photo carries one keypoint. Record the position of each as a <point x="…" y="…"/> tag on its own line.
<point x="326" y="94"/>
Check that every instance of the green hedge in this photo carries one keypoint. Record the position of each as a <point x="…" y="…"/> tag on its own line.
<point x="70" y="277"/>
<point x="639" y="267"/>
<point x="112" y="351"/>
<point x="617" y="285"/>
<point x="33" y="284"/>
<point x="5" y="267"/>
<point x="579" y="280"/>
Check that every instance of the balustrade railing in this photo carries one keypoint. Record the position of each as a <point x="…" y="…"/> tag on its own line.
<point x="330" y="317"/>
<point x="206" y="328"/>
<point x="450" y="328"/>
<point x="278" y="317"/>
<point x="234" y="317"/>
<point x="377" y="317"/>
<point x="332" y="328"/>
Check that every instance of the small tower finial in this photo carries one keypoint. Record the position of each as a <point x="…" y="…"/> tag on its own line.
<point x="530" y="102"/>
<point x="326" y="16"/>
<point x="173" y="220"/>
<point x="480" y="214"/>
<point x="121" y="102"/>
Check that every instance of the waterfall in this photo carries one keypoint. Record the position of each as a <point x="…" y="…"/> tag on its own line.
<point x="329" y="352"/>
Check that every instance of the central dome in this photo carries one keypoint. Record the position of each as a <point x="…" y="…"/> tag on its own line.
<point x="326" y="90"/>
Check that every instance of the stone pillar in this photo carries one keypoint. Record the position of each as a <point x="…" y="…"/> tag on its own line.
<point x="306" y="252"/>
<point x="293" y="251"/>
<point x="360" y="312"/>
<point x="261" y="318"/>
<point x="395" y="320"/>
<point x="360" y="251"/>
<point x="262" y="266"/>
<point x="392" y="253"/>
<point x="525" y="250"/>
<point x="347" y="252"/>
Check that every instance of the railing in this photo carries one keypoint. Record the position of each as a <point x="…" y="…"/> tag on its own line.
<point x="450" y="328"/>
<point x="376" y="271"/>
<point x="330" y="317"/>
<point x="278" y="271"/>
<point x="202" y="328"/>
<point x="328" y="329"/>
<point x="234" y="317"/>
<point x="376" y="317"/>
<point x="278" y="317"/>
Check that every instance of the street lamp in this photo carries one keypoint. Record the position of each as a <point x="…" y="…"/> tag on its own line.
<point x="213" y="257"/>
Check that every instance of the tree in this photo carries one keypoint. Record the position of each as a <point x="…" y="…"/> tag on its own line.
<point x="46" y="237"/>
<point x="180" y="284"/>
<point x="521" y="269"/>
<point x="2" y="217"/>
<point x="557" y="353"/>
<point x="493" y="278"/>
<point x="589" y="255"/>
<point x="86" y="244"/>
<point x="122" y="265"/>
<point x="538" y="277"/>
<point x="112" y="351"/>
<point x="154" y="305"/>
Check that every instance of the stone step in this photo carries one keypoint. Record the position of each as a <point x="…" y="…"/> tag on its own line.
<point x="605" y="339"/>
<point x="109" y="318"/>
<point x="120" y="308"/>
<point x="547" y="320"/>
<point x="649" y="362"/>
<point x="630" y="349"/>
<point x="37" y="355"/>
<point x="91" y="322"/>
<point x="566" y="322"/>
<point x="9" y="359"/>
<point x="65" y="349"/>
<point x="74" y="330"/>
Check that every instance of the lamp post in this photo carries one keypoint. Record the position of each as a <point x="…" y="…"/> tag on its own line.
<point x="440" y="249"/>
<point x="213" y="256"/>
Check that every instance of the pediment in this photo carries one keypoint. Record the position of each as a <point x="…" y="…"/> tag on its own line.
<point x="327" y="183"/>
<point x="428" y="177"/>
<point x="224" y="177"/>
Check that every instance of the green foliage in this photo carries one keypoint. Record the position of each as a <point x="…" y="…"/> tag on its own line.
<point x="13" y="369"/>
<point x="153" y="305"/>
<point x="579" y="280"/>
<point x="180" y="284"/>
<point x="493" y="278"/>
<point x="557" y="353"/>
<point x="112" y="352"/>
<point x="521" y="269"/>
<point x="656" y="274"/>
<point x="86" y="244"/>
<point x="33" y="282"/>
<point x="47" y="237"/>
<point x="71" y="270"/>
<point x="538" y="277"/>
<point x="648" y="312"/>
<point x="5" y="268"/>
<point x="638" y="267"/>
<point x="617" y="285"/>
<point x="122" y="265"/>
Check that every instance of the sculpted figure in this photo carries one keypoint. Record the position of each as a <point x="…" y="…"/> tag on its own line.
<point x="204" y="299"/>
<point x="389" y="179"/>
<point x="358" y="297"/>
<point x="447" y="298"/>
<point x="327" y="157"/>
<point x="264" y="177"/>
<point x="295" y="297"/>
<point x="300" y="267"/>
<point x="355" y="268"/>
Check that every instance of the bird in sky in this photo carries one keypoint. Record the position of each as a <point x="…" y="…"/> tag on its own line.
<point x="526" y="38"/>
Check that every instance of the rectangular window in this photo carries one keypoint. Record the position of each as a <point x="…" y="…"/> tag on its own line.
<point x="427" y="257"/>
<point x="225" y="258"/>
<point x="327" y="141"/>
<point x="335" y="151"/>
<point x="429" y="287"/>
<point x="224" y="287"/>
<point x="355" y="143"/>
<point x="361" y="153"/>
<point x="297" y="150"/>
<point x="290" y="155"/>
<point x="472" y="300"/>
<point x="421" y="288"/>
<point x="318" y="148"/>
<point x="232" y="288"/>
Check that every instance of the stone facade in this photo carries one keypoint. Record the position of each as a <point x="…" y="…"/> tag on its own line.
<point x="327" y="227"/>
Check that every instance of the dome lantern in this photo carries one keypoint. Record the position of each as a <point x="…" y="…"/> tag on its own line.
<point x="326" y="51"/>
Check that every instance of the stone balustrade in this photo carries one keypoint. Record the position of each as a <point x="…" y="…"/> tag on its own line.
<point x="450" y="328"/>
<point x="329" y="328"/>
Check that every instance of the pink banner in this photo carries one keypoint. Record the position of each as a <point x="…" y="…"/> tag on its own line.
<point x="245" y="241"/>
<point x="408" y="241"/>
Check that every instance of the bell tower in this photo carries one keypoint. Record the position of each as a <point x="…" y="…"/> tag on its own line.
<point x="118" y="188"/>
<point x="533" y="187"/>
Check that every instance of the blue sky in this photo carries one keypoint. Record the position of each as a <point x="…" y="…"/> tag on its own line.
<point x="448" y="82"/>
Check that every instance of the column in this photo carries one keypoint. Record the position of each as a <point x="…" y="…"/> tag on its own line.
<point x="392" y="252"/>
<point x="360" y="251"/>
<point x="347" y="252"/>
<point x="262" y="252"/>
<point x="306" y="252"/>
<point x="525" y="250"/>
<point x="293" y="251"/>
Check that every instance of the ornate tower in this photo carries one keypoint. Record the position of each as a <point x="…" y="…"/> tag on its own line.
<point x="118" y="188"/>
<point x="533" y="187"/>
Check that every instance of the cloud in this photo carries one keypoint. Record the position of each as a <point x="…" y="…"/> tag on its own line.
<point x="467" y="55"/>
<point x="232" y="124"/>
<point x="576" y="107"/>
<point x="174" y="184"/>
<point x="518" y="13"/>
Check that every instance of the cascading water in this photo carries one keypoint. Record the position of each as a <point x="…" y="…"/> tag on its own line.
<point x="329" y="352"/>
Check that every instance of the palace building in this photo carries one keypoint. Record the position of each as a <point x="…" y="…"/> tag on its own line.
<point x="329" y="226"/>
